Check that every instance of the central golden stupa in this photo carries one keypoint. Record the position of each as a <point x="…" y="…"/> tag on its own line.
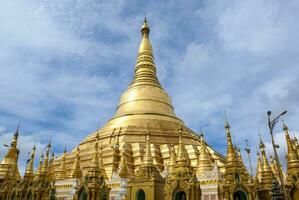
<point x="143" y="107"/>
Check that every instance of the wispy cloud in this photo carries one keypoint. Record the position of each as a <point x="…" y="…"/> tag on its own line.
<point x="64" y="65"/>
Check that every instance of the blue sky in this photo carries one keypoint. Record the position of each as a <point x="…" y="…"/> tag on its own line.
<point x="64" y="65"/>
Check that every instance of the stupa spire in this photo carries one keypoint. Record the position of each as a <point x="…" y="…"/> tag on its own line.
<point x="148" y="159"/>
<point x="11" y="158"/>
<point x="29" y="172"/>
<point x="46" y="162"/>
<point x="61" y="173"/>
<point x="76" y="171"/>
<point x="39" y="173"/>
<point x="145" y="69"/>
<point x="267" y="175"/>
<point x="259" y="167"/>
<point x="292" y="156"/>
<point x="182" y="156"/>
<point x="231" y="153"/>
<point x="204" y="162"/>
<point x="145" y="95"/>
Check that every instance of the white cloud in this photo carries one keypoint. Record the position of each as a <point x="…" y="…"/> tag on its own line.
<point x="64" y="64"/>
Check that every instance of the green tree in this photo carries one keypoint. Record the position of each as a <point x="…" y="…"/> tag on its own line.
<point x="276" y="191"/>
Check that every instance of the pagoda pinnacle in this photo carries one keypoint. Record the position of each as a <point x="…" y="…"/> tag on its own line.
<point x="267" y="175"/>
<point x="145" y="95"/>
<point x="148" y="159"/>
<point x="38" y="173"/>
<point x="46" y="162"/>
<point x="292" y="156"/>
<point x="231" y="154"/>
<point x="14" y="142"/>
<point x="145" y="70"/>
<point x="76" y="171"/>
<point x="204" y="163"/>
<point x="259" y="168"/>
<point x="61" y="172"/>
<point x="182" y="157"/>
<point x="29" y="172"/>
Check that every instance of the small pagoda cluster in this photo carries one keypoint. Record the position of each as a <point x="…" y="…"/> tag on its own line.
<point x="43" y="183"/>
<point x="33" y="185"/>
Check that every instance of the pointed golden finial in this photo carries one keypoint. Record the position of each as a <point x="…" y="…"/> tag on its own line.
<point x="226" y="124"/>
<point x="148" y="159"/>
<point x="292" y="156"/>
<point x="259" y="168"/>
<point x="182" y="155"/>
<point x="38" y="173"/>
<point x="14" y="142"/>
<point x="145" y="28"/>
<point x="267" y="175"/>
<point x="94" y="170"/>
<point x="51" y="167"/>
<point x="61" y="172"/>
<point x="76" y="171"/>
<point x="46" y="162"/>
<point x="204" y="162"/>
<point x="231" y="154"/>
<point x="29" y="172"/>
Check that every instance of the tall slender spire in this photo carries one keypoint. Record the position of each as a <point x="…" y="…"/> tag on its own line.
<point x="94" y="170"/>
<point x="29" y="172"/>
<point x="9" y="164"/>
<point x="240" y="160"/>
<point x="39" y="173"/>
<point x="267" y="175"/>
<point x="204" y="162"/>
<point x="61" y="172"/>
<point x="259" y="167"/>
<point x="148" y="159"/>
<point x="14" y="142"/>
<point x="46" y="162"/>
<point x="231" y="153"/>
<point x="274" y="168"/>
<point x="145" y="70"/>
<point x="76" y="171"/>
<point x="51" y="168"/>
<point x="145" y="95"/>
<point x="292" y="156"/>
<point x="182" y="156"/>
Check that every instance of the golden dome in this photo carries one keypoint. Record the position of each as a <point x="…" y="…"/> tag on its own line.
<point x="144" y="106"/>
<point x="145" y="94"/>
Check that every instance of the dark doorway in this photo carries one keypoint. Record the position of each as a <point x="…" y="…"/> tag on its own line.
<point x="140" y="195"/>
<point x="180" y="195"/>
<point x="239" y="195"/>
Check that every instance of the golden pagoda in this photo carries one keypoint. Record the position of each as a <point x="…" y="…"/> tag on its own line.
<point x="237" y="184"/>
<point x="144" y="106"/>
<point x="292" y="172"/>
<point x="145" y="152"/>
<point x="9" y="164"/>
<point x="267" y="176"/>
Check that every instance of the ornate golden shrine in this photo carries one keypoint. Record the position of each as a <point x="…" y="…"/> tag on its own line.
<point x="145" y="152"/>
